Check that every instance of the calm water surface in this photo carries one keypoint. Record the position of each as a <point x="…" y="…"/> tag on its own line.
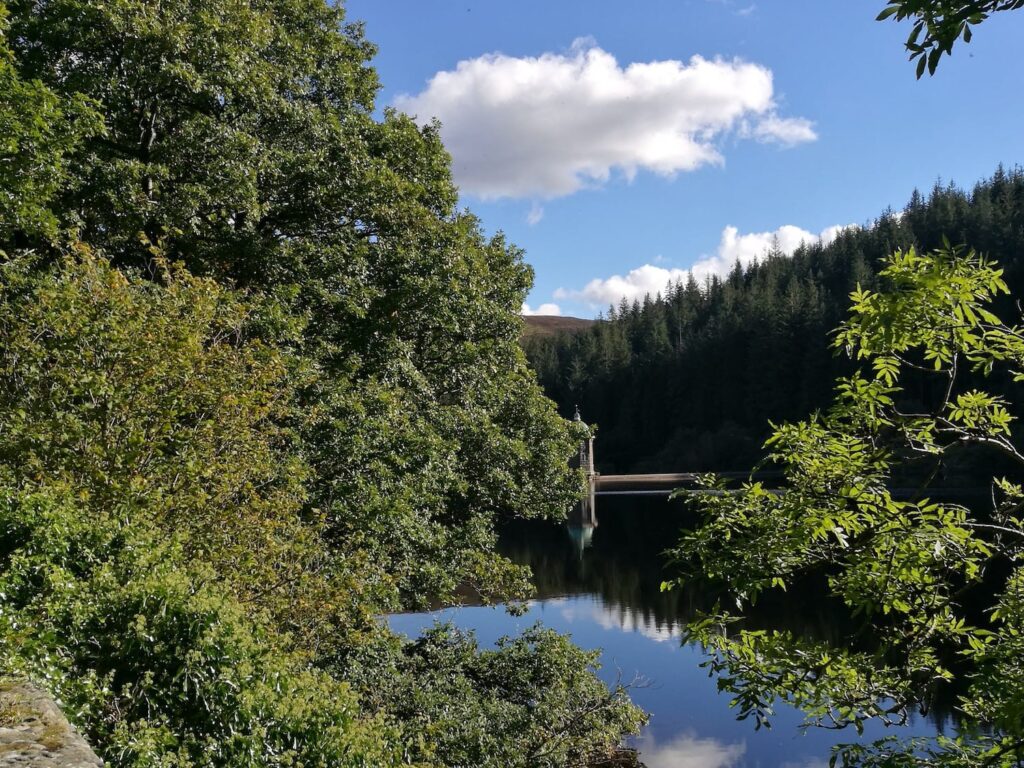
<point x="605" y="592"/>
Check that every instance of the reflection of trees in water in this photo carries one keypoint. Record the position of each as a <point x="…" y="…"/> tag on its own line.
<point x="624" y="566"/>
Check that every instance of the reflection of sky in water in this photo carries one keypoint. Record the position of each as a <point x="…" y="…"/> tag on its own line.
<point x="607" y="597"/>
<point x="690" y="751"/>
<point x="692" y="725"/>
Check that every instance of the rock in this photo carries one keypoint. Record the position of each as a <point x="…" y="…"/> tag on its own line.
<point x="34" y="732"/>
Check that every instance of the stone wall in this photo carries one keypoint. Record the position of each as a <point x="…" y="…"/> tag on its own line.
<point x="34" y="732"/>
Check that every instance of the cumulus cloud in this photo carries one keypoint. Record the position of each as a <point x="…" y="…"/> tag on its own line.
<point x="828" y="234"/>
<point x="748" y="248"/>
<point x="636" y="284"/>
<point x="733" y="247"/>
<point x="543" y="309"/>
<point x="550" y="125"/>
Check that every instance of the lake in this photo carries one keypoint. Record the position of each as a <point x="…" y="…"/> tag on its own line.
<point x="603" y="587"/>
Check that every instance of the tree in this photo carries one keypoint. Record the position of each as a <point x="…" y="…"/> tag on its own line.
<point x="155" y="561"/>
<point x="938" y="24"/>
<point x="240" y="140"/>
<point x="162" y="573"/>
<point x="262" y="384"/>
<point x="933" y="586"/>
<point x="39" y="130"/>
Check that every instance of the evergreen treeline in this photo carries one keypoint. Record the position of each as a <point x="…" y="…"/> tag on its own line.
<point x="689" y="379"/>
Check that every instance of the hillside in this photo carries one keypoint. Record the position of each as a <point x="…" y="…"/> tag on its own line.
<point x="552" y="325"/>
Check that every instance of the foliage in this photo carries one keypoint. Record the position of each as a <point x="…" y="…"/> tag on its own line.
<point x="157" y="568"/>
<point x="938" y="24"/>
<point x="240" y="140"/>
<point x="419" y="451"/>
<point x="205" y="105"/>
<point x="919" y="574"/>
<point x="160" y="570"/>
<point x="37" y="131"/>
<point x="261" y="383"/>
<point x="159" y="662"/>
<point x="152" y="398"/>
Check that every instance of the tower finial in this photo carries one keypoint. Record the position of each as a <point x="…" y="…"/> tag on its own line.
<point x="576" y="416"/>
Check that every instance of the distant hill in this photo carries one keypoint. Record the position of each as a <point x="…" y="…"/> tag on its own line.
<point x="550" y="325"/>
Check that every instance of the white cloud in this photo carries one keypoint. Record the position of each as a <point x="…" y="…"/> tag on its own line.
<point x="788" y="131"/>
<point x="535" y="214"/>
<point x="831" y="233"/>
<point x="733" y="247"/>
<point x="550" y="125"/>
<point x="748" y="248"/>
<point x="636" y="284"/>
<point x="543" y="309"/>
<point x="690" y="751"/>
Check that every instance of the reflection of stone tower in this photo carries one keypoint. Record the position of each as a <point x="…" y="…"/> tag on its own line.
<point x="584" y="513"/>
<point x="581" y="536"/>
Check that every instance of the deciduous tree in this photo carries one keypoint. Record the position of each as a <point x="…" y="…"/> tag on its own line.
<point x="939" y="24"/>
<point x="934" y="586"/>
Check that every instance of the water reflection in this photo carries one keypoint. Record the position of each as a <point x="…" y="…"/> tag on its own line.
<point x="691" y="751"/>
<point x="623" y="563"/>
<point x="607" y="595"/>
<point x="581" y="537"/>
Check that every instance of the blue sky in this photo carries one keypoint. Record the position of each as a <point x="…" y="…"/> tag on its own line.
<point x="588" y="133"/>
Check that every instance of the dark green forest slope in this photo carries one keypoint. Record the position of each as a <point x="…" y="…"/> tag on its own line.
<point x="689" y="379"/>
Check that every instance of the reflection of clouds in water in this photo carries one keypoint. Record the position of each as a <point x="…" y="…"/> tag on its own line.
<point x="611" y="617"/>
<point x="809" y="763"/>
<point x="689" y="751"/>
